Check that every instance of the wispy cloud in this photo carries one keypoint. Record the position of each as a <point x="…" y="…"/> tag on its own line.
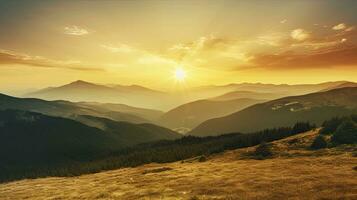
<point x="298" y="48"/>
<point x="13" y="58"/>
<point x="276" y="50"/>
<point x="75" y="30"/>
<point x="300" y="34"/>
<point x="139" y="56"/>
<point x="210" y="52"/>
<point x="341" y="26"/>
<point x="339" y="56"/>
<point x="121" y="48"/>
<point x="283" y="21"/>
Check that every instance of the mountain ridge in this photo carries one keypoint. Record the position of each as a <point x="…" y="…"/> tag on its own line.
<point x="193" y="113"/>
<point x="65" y="108"/>
<point x="313" y="107"/>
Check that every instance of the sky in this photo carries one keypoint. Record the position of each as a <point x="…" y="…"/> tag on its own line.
<point x="50" y="43"/>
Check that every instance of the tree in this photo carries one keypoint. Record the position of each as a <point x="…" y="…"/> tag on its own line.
<point x="346" y="133"/>
<point x="319" y="143"/>
<point x="330" y="126"/>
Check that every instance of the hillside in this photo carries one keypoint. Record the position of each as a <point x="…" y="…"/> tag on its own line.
<point x="30" y="141"/>
<point x="121" y="135"/>
<point x="293" y="172"/>
<point x="247" y="94"/>
<point x="314" y="107"/>
<point x="149" y="114"/>
<point x="128" y="133"/>
<point x="118" y="112"/>
<point x="191" y="114"/>
<point x="28" y="137"/>
<point x="281" y="89"/>
<point x="343" y="85"/>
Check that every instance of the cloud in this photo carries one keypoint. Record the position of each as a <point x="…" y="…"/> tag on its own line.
<point x="280" y="50"/>
<point x="12" y="58"/>
<point x="283" y="21"/>
<point x="75" y="30"/>
<point x="299" y="34"/>
<point x="122" y="48"/>
<point x="339" y="56"/>
<point x="351" y="28"/>
<point x="134" y="56"/>
<point x="271" y="39"/>
<point x="341" y="26"/>
<point x="150" y="59"/>
<point x="211" y="52"/>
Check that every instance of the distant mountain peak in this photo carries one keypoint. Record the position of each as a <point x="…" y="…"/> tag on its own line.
<point x="81" y="82"/>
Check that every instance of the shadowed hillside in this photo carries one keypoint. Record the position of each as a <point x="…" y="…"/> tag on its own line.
<point x="145" y="113"/>
<point x="191" y="114"/>
<point x="247" y="94"/>
<point x="315" y="107"/>
<point x="118" y="112"/>
<point x="115" y="156"/>
<point x="30" y="141"/>
<point x="127" y="133"/>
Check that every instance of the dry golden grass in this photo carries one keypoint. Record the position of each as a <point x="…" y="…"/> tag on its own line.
<point x="293" y="173"/>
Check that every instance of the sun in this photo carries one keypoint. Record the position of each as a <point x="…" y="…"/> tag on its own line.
<point x="180" y="74"/>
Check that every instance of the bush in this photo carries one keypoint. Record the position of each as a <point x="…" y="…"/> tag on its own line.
<point x="346" y="133"/>
<point x="319" y="143"/>
<point x="202" y="159"/>
<point x="263" y="150"/>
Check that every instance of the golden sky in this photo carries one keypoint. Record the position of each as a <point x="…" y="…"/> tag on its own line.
<point x="44" y="43"/>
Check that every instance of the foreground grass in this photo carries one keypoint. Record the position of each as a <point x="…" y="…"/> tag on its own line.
<point x="293" y="172"/>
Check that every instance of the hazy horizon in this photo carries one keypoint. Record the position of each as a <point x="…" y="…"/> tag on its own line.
<point x="23" y="91"/>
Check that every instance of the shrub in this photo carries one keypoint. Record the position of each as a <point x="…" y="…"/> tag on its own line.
<point x="346" y="133"/>
<point x="202" y="159"/>
<point x="263" y="150"/>
<point x="319" y="143"/>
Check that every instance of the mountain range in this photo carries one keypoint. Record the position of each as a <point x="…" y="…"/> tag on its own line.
<point x="139" y="96"/>
<point x="314" y="107"/>
<point x="276" y="89"/>
<point x="77" y="91"/>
